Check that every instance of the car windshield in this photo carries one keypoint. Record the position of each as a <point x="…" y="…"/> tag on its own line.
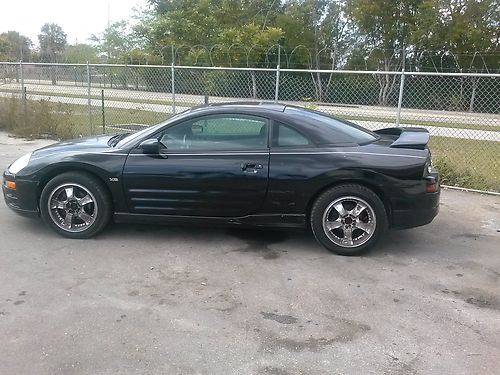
<point x="131" y="137"/>
<point x="340" y="130"/>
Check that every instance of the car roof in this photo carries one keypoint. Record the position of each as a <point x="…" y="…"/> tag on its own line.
<point x="241" y="105"/>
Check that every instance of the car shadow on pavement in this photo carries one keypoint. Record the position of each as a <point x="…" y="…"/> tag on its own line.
<point x="271" y="243"/>
<point x="268" y="243"/>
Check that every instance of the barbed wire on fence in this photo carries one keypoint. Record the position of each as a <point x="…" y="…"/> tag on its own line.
<point x="301" y="56"/>
<point x="329" y="57"/>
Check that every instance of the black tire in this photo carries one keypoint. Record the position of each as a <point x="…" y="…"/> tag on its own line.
<point x="97" y="211"/>
<point x="373" y="219"/>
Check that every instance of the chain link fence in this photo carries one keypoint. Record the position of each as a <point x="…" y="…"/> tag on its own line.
<point x="461" y="111"/>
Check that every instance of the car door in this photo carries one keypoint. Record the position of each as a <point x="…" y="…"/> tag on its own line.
<point x="213" y="165"/>
<point x="291" y="167"/>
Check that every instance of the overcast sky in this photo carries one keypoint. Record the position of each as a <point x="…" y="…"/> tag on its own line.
<point x="78" y="19"/>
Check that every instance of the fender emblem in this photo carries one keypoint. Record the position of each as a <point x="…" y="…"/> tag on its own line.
<point x="113" y="179"/>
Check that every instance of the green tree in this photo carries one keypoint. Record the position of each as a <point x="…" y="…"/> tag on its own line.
<point x="52" y="40"/>
<point x="456" y="30"/>
<point x="386" y="27"/>
<point x="116" y="42"/>
<point x="463" y="27"/>
<point x="299" y="20"/>
<point x="321" y="33"/>
<point x="4" y="48"/>
<point x="14" y="47"/>
<point x="80" y="54"/>
<point x="204" y="24"/>
<point x="251" y="44"/>
<point x="339" y="33"/>
<point x="183" y="22"/>
<point x="253" y="39"/>
<point x="385" y="24"/>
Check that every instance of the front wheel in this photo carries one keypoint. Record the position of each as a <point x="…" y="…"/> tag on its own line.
<point x="75" y="205"/>
<point x="348" y="219"/>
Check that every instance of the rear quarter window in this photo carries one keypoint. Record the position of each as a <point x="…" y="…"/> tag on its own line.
<point x="331" y="129"/>
<point x="288" y="137"/>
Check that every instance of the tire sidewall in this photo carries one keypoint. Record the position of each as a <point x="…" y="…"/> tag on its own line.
<point x="94" y="186"/>
<point x="350" y="190"/>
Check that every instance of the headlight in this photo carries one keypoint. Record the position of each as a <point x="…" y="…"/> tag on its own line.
<point x="20" y="163"/>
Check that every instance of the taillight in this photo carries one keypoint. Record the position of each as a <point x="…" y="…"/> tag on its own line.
<point x="431" y="177"/>
<point x="431" y="187"/>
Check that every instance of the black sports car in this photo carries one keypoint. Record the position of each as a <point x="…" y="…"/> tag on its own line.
<point x="252" y="164"/>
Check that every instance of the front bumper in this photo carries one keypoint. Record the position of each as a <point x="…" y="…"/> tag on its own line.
<point x="24" y="199"/>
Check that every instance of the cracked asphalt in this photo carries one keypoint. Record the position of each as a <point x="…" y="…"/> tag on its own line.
<point x="187" y="300"/>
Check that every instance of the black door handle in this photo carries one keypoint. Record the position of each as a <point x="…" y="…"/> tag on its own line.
<point x="251" y="167"/>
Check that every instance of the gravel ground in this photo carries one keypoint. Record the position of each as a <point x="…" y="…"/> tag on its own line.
<point x="186" y="300"/>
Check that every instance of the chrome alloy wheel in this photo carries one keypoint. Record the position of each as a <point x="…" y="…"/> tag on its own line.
<point x="72" y="207"/>
<point x="349" y="221"/>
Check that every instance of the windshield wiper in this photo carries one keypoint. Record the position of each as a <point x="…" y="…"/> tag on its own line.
<point x="116" y="138"/>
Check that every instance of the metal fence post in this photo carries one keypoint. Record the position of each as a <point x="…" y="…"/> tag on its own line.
<point x="400" y="99"/>
<point x="22" y="76"/>
<point x="103" y="114"/>
<point x="173" y="89"/>
<point x="89" y="103"/>
<point x="277" y="90"/>
<point x="23" y="93"/>
<point x="401" y="88"/>
<point x="23" y="88"/>
<point x="475" y="83"/>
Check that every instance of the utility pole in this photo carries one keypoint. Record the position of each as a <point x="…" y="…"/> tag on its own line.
<point x="107" y="31"/>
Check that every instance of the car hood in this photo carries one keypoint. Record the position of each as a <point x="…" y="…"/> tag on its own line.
<point x="90" y="144"/>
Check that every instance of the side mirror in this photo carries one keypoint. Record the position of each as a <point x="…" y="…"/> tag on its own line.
<point x="150" y="146"/>
<point x="197" y="129"/>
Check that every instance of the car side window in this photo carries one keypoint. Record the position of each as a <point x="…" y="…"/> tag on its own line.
<point x="286" y="136"/>
<point x="217" y="132"/>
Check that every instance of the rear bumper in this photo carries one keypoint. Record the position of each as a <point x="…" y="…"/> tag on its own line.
<point x="22" y="200"/>
<point x="424" y="212"/>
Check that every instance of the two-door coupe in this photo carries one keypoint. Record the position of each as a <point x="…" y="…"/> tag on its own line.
<point x="240" y="164"/>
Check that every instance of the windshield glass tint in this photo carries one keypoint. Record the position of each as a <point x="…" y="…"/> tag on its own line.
<point x="148" y="130"/>
<point x="339" y="131"/>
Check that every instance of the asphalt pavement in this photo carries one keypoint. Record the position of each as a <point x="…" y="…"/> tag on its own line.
<point x="185" y="300"/>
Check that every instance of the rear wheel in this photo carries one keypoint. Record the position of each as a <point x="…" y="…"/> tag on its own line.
<point x="75" y="205"/>
<point x="348" y="219"/>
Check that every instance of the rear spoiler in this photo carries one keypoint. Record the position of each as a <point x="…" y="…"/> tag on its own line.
<point x="416" y="138"/>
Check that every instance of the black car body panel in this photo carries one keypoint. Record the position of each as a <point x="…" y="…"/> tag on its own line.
<point x="270" y="185"/>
